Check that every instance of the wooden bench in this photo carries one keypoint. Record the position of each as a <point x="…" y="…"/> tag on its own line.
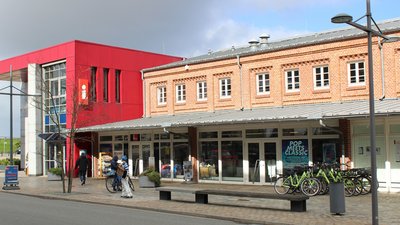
<point x="297" y="202"/>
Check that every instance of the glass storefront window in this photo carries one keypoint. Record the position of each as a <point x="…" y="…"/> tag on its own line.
<point x="262" y="133"/>
<point x="324" y="131"/>
<point x="208" y="155"/>
<point x="135" y="137"/>
<point x="105" y="138"/>
<point x="395" y="129"/>
<point x="231" y="134"/>
<point x="145" y="137"/>
<point x="364" y="129"/>
<point x="181" y="136"/>
<point x="294" y="131"/>
<point x="165" y="153"/>
<point x="121" y="138"/>
<point x="232" y="160"/>
<point x="181" y="153"/>
<point x="213" y="134"/>
<point x="106" y="148"/>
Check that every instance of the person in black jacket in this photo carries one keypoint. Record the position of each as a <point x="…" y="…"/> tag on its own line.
<point x="82" y="163"/>
<point x="117" y="179"/>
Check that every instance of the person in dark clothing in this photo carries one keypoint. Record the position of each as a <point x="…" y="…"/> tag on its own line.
<point x="82" y="163"/>
<point x="114" y="166"/>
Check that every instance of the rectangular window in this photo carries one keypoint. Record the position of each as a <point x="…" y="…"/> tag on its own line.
<point x="292" y="80"/>
<point x="321" y="77"/>
<point x="180" y="92"/>
<point x="105" y="85"/>
<point x="356" y="72"/>
<point x="201" y="91"/>
<point x="162" y="95"/>
<point x="225" y="88"/>
<point x="117" y="86"/>
<point x="262" y="84"/>
<point x="93" y="84"/>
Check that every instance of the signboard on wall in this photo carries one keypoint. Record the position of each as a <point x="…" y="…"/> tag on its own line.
<point x="83" y="92"/>
<point x="294" y="153"/>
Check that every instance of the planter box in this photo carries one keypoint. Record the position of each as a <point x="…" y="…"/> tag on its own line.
<point x="52" y="177"/>
<point x="144" y="182"/>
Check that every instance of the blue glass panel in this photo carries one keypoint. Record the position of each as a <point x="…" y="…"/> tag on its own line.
<point x="63" y="118"/>
<point x="46" y="119"/>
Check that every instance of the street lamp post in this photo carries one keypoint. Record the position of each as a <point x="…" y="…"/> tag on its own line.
<point x="344" y="18"/>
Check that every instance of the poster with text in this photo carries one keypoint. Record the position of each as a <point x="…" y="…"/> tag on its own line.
<point x="294" y="153"/>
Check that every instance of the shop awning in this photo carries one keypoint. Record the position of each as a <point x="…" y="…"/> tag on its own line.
<point x="348" y="109"/>
<point x="52" y="137"/>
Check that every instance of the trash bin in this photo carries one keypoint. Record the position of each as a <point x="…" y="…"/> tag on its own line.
<point x="337" y="197"/>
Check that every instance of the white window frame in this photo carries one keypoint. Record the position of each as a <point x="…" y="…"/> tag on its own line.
<point x="293" y="77"/>
<point x="225" y="88"/>
<point x="201" y="91"/>
<point x="180" y="93"/>
<point x="325" y="82"/>
<point x="357" y="73"/>
<point x="162" y="95"/>
<point x="265" y="83"/>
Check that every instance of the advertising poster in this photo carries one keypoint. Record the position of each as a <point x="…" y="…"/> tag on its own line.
<point x="294" y="153"/>
<point x="329" y="152"/>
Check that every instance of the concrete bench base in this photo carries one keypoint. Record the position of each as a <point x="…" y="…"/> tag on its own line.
<point x="297" y="202"/>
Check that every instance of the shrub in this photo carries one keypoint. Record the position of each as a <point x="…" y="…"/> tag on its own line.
<point x="153" y="175"/>
<point x="55" y="171"/>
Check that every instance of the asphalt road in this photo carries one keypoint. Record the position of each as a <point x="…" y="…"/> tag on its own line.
<point x="23" y="210"/>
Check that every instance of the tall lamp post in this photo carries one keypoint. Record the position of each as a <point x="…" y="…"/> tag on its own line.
<point x="345" y="18"/>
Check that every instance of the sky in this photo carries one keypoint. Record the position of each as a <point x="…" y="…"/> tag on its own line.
<point x="184" y="28"/>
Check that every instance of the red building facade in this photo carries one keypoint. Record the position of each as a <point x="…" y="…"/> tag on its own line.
<point x="79" y="81"/>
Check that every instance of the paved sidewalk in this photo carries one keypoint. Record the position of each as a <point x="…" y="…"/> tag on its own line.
<point x="241" y="210"/>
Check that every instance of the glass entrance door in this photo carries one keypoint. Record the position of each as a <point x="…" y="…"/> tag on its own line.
<point x="140" y="158"/>
<point x="253" y="154"/>
<point x="270" y="161"/>
<point x="261" y="157"/>
<point x="134" y="160"/>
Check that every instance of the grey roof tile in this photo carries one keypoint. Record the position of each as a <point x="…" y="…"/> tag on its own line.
<point x="349" y="109"/>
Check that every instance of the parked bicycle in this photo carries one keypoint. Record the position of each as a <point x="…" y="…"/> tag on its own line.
<point x="113" y="188"/>
<point x="305" y="183"/>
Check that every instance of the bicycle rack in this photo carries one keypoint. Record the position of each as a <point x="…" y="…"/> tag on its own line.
<point x="256" y="169"/>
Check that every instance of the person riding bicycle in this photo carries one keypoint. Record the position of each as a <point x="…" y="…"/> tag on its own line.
<point x="114" y="166"/>
<point x="126" y="191"/>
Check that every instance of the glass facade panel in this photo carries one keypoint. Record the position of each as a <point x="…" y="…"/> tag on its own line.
<point x="213" y="134"/>
<point x="262" y="133"/>
<point x="294" y="131"/>
<point x="231" y="134"/>
<point x="232" y="160"/>
<point x="165" y="157"/>
<point x="105" y="138"/>
<point x="181" y="153"/>
<point x="208" y="159"/>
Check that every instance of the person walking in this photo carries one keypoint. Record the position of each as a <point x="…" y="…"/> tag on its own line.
<point x="126" y="190"/>
<point x="114" y="167"/>
<point x="82" y="164"/>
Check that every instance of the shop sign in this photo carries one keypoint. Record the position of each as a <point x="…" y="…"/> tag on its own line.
<point x="83" y="92"/>
<point x="11" y="175"/>
<point x="294" y="153"/>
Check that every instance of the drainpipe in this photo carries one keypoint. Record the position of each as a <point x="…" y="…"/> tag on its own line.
<point x="144" y="94"/>
<point x="240" y="74"/>
<point x="380" y="45"/>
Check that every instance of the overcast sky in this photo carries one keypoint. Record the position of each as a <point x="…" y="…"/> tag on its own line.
<point x="176" y="27"/>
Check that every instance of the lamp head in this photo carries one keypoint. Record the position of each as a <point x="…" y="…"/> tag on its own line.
<point x="342" y="18"/>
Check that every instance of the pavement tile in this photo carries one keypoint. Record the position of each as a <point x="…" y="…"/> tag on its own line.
<point x="239" y="209"/>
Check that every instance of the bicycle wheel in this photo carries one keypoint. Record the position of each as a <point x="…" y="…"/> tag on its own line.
<point x="282" y="185"/>
<point x="109" y="184"/>
<point x="131" y="184"/>
<point x="366" y="185"/>
<point x="310" y="186"/>
<point x="349" y="187"/>
<point x="359" y="187"/>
